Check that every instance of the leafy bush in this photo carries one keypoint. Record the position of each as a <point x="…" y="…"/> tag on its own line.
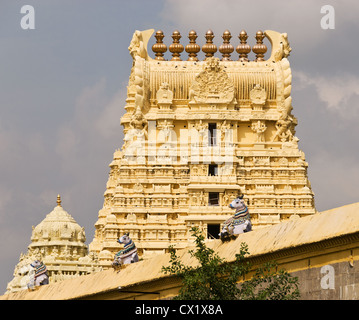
<point x="216" y="279"/>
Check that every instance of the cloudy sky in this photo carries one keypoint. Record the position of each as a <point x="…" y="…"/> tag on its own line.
<point x="63" y="90"/>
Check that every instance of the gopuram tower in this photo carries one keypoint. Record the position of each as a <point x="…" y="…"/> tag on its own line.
<point x="196" y="134"/>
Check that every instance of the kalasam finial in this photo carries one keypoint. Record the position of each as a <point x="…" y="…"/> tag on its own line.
<point x="192" y="48"/>
<point x="226" y="48"/>
<point x="159" y="48"/>
<point x="176" y="48"/>
<point x="209" y="48"/>
<point x="243" y="48"/>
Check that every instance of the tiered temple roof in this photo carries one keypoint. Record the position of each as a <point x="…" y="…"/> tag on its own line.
<point x="196" y="134"/>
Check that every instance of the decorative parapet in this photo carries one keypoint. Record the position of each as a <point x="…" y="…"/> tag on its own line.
<point x="279" y="42"/>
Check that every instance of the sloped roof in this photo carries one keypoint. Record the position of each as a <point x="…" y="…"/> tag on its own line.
<point x="327" y="225"/>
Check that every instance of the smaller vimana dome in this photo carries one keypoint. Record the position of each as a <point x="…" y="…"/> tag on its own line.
<point x="58" y="228"/>
<point x="59" y="242"/>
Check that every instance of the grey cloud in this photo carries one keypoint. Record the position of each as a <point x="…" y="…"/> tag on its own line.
<point x="63" y="89"/>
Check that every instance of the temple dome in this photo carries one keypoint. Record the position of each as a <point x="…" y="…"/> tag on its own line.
<point x="59" y="242"/>
<point x="58" y="228"/>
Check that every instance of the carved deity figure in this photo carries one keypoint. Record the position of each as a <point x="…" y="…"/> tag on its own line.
<point x="283" y="130"/>
<point x="212" y="85"/>
<point x="224" y="127"/>
<point x="259" y="128"/>
<point x="285" y="124"/>
<point x="136" y="134"/>
<point x="258" y="95"/>
<point x="202" y="129"/>
<point x="165" y="135"/>
<point x="164" y="95"/>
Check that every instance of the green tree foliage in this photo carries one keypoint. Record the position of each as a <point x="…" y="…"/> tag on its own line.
<point x="216" y="279"/>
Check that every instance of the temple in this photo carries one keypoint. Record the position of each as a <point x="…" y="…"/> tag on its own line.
<point x="198" y="132"/>
<point x="59" y="242"/>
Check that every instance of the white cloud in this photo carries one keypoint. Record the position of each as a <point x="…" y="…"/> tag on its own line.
<point x="299" y="19"/>
<point x="278" y="15"/>
<point x="108" y="122"/>
<point x="334" y="91"/>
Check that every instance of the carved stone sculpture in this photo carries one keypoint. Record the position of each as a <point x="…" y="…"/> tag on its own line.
<point x="212" y="85"/>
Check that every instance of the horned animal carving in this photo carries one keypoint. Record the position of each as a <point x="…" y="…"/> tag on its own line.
<point x="237" y="224"/>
